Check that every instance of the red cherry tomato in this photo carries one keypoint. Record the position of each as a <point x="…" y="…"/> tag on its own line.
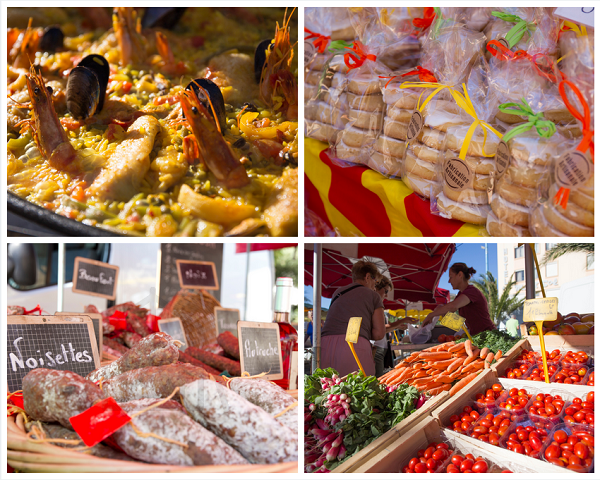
<point x="581" y="450"/>
<point x="560" y="436"/>
<point x="420" y="468"/>
<point x="432" y="464"/>
<point x="428" y="452"/>
<point x="480" y="467"/>
<point x="457" y="460"/>
<point x="553" y="451"/>
<point x="413" y="462"/>
<point x="466" y="465"/>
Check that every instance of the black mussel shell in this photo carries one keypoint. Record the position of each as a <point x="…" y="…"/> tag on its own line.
<point x="216" y="98"/>
<point x="99" y="65"/>
<point x="163" y="17"/>
<point x="260" y="57"/>
<point x="83" y="93"/>
<point x="52" y="39"/>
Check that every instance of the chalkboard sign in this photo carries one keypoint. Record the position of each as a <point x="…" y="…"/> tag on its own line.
<point x="96" y="319"/>
<point x="174" y="328"/>
<point x="95" y="278"/>
<point x="227" y="319"/>
<point x="260" y="349"/>
<point x="40" y="341"/>
<point x="171" y="252"/>
<point x="200" y="275"/>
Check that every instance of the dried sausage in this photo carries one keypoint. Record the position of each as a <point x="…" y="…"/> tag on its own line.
<point x="130" y="338"/>
<point x="230" y="344"/>
<point x="185" y="358"/>
<point x="246" y="427"/>
<point x="270" y="397"/>
<point x="151" y="382"/>
<point x="57" y="432"/>
<point x="203" y="447"/>
<point x="141" y="403"/>
<point x="215" y="361"/>
<point x="57" y="395"/>
<point x="113" y="344"/>
<point x="154" y="350"/>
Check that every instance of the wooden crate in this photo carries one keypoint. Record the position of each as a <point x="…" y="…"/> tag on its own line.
<point x="396" y="455"/>
<point x="391" y="435"/>
<point x="455" y="405"/>
<point x="509" y="357"/>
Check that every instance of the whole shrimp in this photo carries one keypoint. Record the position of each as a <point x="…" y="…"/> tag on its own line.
<point x="50" y="137"/>
<point x="276" y="78"/>
<point x="128" y="30"/>
<point x="208" y="144"/>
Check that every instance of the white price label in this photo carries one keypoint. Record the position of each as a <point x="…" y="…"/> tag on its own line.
<point x="583" y="15"/>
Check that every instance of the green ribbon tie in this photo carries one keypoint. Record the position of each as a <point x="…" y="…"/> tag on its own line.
<point x="439" y="21"/>
<point x="544" y="128"/>
<point x="516" y="33"/>
<point x="338" y="46"/>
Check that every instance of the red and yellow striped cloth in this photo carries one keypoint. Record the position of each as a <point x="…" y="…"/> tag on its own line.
<point x="357" y="201"/>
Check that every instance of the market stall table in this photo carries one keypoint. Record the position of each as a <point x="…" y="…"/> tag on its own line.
<point x="378" y="206"/>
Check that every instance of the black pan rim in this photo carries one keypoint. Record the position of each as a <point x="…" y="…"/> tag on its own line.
<point x="51" y="220"/>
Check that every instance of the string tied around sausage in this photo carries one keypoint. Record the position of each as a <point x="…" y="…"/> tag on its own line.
<point x="289" y="407"/>
<point x="150" y="434"/>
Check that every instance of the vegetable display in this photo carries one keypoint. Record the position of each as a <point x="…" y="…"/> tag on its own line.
<point x="447" y="367"/>
<point x="494" y="340"/>
<point x="342" y="417"/>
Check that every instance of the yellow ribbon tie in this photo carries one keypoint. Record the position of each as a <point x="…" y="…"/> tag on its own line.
<point x="580" y="30"/>
<point x="464" y="102"/>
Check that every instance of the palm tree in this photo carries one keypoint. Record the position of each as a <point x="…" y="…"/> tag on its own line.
<point x="561" y="249"/>
<point x="500" y="307"/>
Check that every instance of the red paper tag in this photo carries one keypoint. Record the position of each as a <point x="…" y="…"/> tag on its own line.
<point x="152" y="322"/>
<point x="99" y="421"/>
<point x="118" y="320"/>
<point x="17" y="400"/>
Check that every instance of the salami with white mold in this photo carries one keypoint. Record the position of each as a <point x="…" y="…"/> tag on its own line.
<point x="57" y="395"/>
<point x="202" y="447"/>
<point x="248" y="428"/>
<point x="270" y="397"/>
<point x="153" y="350"/>
<point x="151" y="382"/>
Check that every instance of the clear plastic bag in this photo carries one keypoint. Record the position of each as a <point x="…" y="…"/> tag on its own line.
<point x="420" y="335"/>
<point x="324" y="81"/>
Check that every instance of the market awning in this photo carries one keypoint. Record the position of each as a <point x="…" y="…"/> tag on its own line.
<point x="414" y="269"/>
<point x="256" y="247"/>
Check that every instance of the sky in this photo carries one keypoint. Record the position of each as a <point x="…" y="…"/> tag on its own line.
<point x="472" y="254"/>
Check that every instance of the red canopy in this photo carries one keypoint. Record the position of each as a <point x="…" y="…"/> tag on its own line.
<point x="255" y="247"/>
<point x="414" y="269"/>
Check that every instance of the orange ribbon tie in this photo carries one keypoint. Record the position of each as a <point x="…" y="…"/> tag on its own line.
<point x="320" y="41"/>
<point x="587" y="142"/>
<point x="424" y="75"/>
<point x="356" y="56"/>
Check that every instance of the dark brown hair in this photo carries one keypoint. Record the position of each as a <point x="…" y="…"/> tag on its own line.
<point x="361" y="268"/>
<point x="462" y="267"/>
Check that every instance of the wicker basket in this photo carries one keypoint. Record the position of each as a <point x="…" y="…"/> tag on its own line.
<point x="196" y="311"/>
<point x="27" y="456"/>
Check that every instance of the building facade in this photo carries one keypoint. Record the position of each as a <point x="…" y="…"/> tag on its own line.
<point x="566" y="270"/>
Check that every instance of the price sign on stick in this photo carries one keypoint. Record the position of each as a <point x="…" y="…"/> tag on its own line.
<point x="455" y="322"/>
<point x="540" y="310"/>
<point x="352" y="337"/>
<point x="95" y="278"/>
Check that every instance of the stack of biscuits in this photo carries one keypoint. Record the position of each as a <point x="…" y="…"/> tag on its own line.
<point x="577" y="220"/>
<point x="365" y="117"/>
<point x="515" y="192"/>
<point x="326" y="108"/>
<point x="469" y="204"/>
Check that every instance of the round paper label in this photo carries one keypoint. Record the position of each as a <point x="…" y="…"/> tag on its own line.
<point x="415" y="125"/>
<point x="457" y="174"/>
<point x="309" y="52"/>
<point x="502" y="158"/>
<point x="572" y="170"/>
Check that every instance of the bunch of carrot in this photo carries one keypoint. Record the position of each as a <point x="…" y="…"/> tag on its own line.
<point x="434" y="370"/>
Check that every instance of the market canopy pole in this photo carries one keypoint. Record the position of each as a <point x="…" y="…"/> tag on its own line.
<point x="61" y="277"/>
<point x="529" y="273"/>
<point x="317" y="266"/>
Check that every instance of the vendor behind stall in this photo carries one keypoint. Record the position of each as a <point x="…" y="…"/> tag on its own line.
<point x="470" y="302"/>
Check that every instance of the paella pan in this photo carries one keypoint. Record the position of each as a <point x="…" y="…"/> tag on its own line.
<point x="155" y="121"/>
